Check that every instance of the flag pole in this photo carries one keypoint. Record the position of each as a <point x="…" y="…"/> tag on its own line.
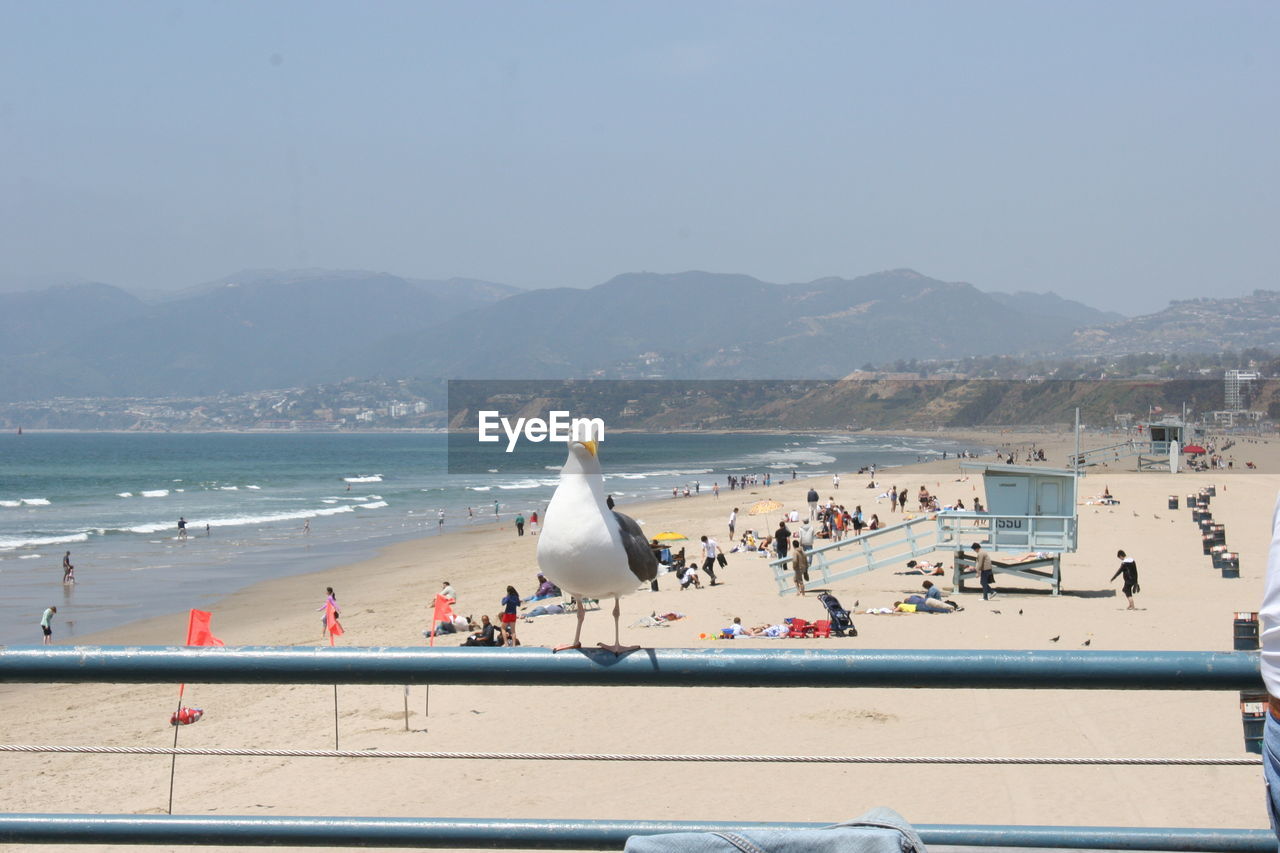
<point x="406" y="707"/>
<point x="335" y="717"/>
<point x="173" y="759"/>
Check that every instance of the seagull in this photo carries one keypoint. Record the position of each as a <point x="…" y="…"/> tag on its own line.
<point x="588" y="549"/>
<point x="1019" y="612"/>
<point x="1055" y="639"/>
<point x="1087" y="642"/>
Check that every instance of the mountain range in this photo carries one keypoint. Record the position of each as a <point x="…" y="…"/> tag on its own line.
<point x="271" y="329"/>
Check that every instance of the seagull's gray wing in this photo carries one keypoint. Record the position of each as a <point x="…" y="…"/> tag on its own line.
<point x="640" y="557"/>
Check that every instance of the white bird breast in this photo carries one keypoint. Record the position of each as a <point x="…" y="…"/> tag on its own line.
<point x="580" y="547"/>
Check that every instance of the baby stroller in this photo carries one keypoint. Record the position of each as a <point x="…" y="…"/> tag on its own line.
<point x="841" y="622"/>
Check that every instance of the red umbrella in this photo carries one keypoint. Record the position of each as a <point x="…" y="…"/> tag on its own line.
<point x="1193" y="449"/>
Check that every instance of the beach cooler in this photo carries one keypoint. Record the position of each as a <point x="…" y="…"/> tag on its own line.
<point x="1173" y="501"/>
<point x="1254" y="716"/>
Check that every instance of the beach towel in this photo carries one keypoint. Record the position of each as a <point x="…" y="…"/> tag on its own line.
<point x="880" y="830"/>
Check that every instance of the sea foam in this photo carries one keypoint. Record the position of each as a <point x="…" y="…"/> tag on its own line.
<point x="367" y="478"/>
<point x="31" y="541"/>
<point x="156" y="493"/>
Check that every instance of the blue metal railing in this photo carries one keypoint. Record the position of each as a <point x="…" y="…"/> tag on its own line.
<point x="720" y="667"/>
<point x="241" y="830"/>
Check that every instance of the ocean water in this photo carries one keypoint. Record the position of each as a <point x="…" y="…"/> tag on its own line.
<point x="114" y="500"/>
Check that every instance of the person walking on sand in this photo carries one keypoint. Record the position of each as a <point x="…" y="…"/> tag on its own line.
<point x="46" y="624"/>
<point x="710" y="548"/>
<point x="331" y="598"/>
<point x="733" y="520"/>
<point x="813" y="504"/>
<point x="519" y="523"/>
<point x="780" y="539"/>
<point x="68" y="570"/>
<point x="533" y="523"/>
<point x="986" y="575"/>
<point x="799" y="565"/>
<point x="1129" y="569"/>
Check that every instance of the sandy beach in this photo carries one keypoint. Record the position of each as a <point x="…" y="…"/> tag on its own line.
<point x="1184" y="605"/>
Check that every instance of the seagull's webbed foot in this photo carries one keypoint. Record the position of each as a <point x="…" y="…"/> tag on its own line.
<point x="618" y="649"/>
<point x="566" y="647"/>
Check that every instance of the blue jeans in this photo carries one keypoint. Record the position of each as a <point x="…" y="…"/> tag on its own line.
<point x="1271" y="770"/>
<point x="986" y="578"/>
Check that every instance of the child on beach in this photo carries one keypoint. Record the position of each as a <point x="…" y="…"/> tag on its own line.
<point x="510" y="606"/>
<point x="331" y="598"/>
<point x="46" y="624"/>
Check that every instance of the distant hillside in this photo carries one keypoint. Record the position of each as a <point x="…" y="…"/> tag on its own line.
<point x="275" y="329"/>
<point x="1194" y="325"/>
<point x="710" y="325"/>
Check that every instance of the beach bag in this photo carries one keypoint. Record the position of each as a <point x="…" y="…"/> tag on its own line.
<point x="880" y="830"/>
<point x="721" y="560"/>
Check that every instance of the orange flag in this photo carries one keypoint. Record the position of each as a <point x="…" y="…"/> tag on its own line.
<point x="331" y="622"/>
<point x="199" y="632"/>
<point x="443" y="613"/>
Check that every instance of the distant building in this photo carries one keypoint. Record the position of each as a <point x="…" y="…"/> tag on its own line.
<point x="1238" y="389"/>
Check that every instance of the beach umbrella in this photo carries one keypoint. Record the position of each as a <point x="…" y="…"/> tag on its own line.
<point x="671" y="536"/>
<point x="1193" y="449"/>
<point x="764" y="507"/>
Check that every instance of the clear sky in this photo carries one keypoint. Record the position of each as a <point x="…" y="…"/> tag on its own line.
<point x="1121" y="153"/>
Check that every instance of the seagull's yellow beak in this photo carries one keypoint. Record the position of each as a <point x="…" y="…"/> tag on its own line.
<point x="590" y="446"/>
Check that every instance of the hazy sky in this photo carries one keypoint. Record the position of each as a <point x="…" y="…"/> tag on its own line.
<point x="1121" y="153"/>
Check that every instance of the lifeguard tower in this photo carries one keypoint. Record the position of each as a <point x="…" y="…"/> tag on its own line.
<point x="1030" y="513"/>
<point x="1158" y="446"/>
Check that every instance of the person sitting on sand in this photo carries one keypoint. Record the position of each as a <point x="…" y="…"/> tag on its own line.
<point x="933" y="600"/>
<point x="486" y="636"/>
<point x="737" y="629"/>
<point x="546" y="589"/>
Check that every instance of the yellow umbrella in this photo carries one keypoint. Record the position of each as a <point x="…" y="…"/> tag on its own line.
<point x="764" y="506"/>
<point x="671" y="536"/>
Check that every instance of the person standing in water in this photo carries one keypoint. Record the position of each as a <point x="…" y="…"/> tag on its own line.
<point x="68" y="570"/>
<point x="46" y="624"/>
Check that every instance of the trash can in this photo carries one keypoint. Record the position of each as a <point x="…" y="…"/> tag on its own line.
<point x="1173" y="501"/>
<point x="1245" y="630"/>
<point x="1231" y="569"/>
<point x="1254" y="716"/>
<point x="1219" y="534"/>
<point x="1216" y="553"/>
<point x="1191" y="502"/>
<point x="1207" y="543"/>
<point x="1203" y="500"/>
<point x="1205" y="524"/>
<point x="1211" y="491"/>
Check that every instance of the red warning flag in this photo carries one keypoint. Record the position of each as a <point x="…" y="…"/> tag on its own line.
<point x="198" y="631"/>
<point x="443" y="613"/>
<point x="331" y="621"/>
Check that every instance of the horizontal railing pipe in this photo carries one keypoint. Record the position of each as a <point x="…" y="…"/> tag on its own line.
<point x="239" y="830"/>
<point x="719" y="667"/>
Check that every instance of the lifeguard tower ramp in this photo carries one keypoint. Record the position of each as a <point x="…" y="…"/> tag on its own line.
<point x="1029" y="511"/>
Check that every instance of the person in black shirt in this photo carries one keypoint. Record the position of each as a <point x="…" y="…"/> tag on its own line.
<point x="1129" y="569"/>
